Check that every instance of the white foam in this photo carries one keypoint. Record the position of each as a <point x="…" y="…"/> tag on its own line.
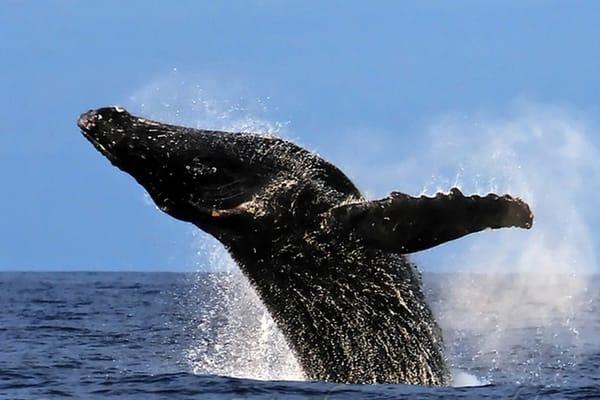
<point x="465" y="379"/>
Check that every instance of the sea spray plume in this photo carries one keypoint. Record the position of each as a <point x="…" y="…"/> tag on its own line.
<point x="202" y="103"/>
<point x="327" y="264"/>
<point x="232" y="349"/>
<point x="557" y="166"/>
<point x="233" y="334"/>
<point x="549" y="155"/>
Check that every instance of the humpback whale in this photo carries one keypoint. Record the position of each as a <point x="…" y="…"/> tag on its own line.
<point x="330" y="266"/>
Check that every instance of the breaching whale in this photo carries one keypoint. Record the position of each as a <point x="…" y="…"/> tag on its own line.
<point x="330" y="266"/>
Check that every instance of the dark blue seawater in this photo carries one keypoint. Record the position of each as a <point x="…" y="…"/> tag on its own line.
<point x="162" y="335"/>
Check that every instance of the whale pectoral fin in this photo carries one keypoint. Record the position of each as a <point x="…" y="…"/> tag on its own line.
<point x="406" y="224"/>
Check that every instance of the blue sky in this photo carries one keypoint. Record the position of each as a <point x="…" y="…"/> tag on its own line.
<point x="365" y="84"/>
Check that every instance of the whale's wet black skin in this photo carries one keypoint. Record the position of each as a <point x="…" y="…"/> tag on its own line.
<point x="329" y="265"/>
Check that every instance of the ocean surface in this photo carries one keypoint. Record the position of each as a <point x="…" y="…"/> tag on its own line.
<point x="206" y="336"/>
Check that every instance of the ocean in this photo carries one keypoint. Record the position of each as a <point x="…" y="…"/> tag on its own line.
<point x="206" y="336"/>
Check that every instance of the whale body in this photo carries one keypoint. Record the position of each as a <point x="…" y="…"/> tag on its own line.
<point x="330" y="266"/>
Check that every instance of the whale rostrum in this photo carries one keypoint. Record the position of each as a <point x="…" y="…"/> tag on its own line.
<point x="330" y="266"/>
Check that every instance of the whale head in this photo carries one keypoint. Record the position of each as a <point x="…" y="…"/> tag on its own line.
<point x="228" y="184"/>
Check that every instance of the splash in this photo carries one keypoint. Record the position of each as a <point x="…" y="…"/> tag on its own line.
<point x="201" y="103"/>
<point x="464" y="379"/>
<point x="514" y="281"/>
<point x="234" y="335"/>
<point x="545" y="155"/>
